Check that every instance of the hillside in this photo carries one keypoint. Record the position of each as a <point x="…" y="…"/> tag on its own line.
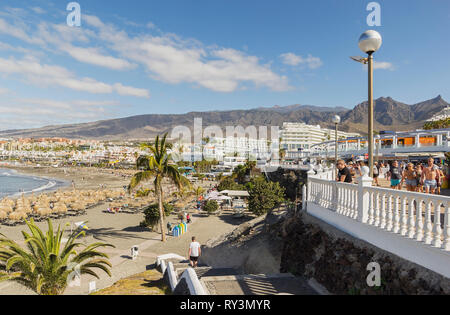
<point x="389" y="115"/>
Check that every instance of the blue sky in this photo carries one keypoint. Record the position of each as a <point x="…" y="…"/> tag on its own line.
<point x="140" y="57"/>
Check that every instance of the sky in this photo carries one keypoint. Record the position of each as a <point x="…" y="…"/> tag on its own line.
<point x="171" y="57"/>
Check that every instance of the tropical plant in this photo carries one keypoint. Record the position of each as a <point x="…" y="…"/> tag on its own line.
<point x="143" y="192"/>
<point x="211" y="206"/>
<point x="152" y="215"/>
<point x="439" y="124"/>
<point x="158" y="167"/>
<point x="242" y="172"/>
<point x="228" y="183"/>
<point x="198" y="191"/>
<point x="264" y="196"/>
<point x="46" y="265"/>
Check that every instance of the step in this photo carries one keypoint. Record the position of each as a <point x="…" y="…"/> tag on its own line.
<point x="275" y="284"/>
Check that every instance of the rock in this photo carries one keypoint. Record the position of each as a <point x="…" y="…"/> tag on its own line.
<point x="351" y="258"/>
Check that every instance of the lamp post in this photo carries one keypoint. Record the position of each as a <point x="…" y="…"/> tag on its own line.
<point x="369" y="42"/>
<point x="336" y="120"/>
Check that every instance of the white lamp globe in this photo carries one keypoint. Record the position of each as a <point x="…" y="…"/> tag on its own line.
<point x="370" y="41"/>
<point x="336" y="119"/>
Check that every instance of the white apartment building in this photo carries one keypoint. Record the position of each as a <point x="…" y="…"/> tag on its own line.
<point x="219" y="148"/>
<point x="299" y="137"/>
<point x="443" y="114"/>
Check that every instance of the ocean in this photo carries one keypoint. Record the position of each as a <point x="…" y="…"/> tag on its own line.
<point x="14" y="184"/>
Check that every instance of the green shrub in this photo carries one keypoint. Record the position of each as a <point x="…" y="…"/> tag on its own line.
<point x="143" y="192"/>
<point x="211" y="206"/>
<point x="151" y="214"/>
<point x="228" y="183"/>
<point x="264" y="196"/>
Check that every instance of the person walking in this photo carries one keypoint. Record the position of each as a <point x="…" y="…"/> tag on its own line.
<point x="395" y="174"/>
<point x="409" y="176"/>
<point x="376" y="173"/>
<point x="195" y="252"/>
<point x="344" y="174"/>
<point x="429" y="175"/>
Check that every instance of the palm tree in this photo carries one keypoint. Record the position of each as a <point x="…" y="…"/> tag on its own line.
<point x="158" y="166"/>
<point x="205" y="141"/>
<point x="198" y="191"/>
<point x="45" y="265"/>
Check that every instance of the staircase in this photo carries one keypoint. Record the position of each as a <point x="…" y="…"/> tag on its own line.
<point x="206" y="280"/>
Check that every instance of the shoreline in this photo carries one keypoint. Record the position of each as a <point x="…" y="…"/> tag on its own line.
<point x="53" y="184"/>
<point x="67" y="178"/>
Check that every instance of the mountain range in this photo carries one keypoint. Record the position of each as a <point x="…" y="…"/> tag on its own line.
<point x="389" y="114"/>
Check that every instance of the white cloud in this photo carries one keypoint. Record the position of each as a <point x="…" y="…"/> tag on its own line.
<point x="35" y="112"/>
<point x="384" y="65"/>
<point x="171" y="59"/>
<point x="167" y="58"/>
<point x="131" y="91"/>
<point x="49" y="75"/>
<point x="93" y="56"/>
<point x="38" y="10"/>
<point x="292" y="59"/>
<point x="381" y="65"/>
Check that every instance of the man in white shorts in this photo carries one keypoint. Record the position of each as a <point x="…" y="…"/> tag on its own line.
<point x="429" y="175"/>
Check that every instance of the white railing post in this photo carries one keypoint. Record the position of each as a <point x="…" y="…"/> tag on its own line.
<point x="363" y="198"/>
<point x="437" y="230"/>
<point x="411" y="221"/>
<point x="428" y="225"/>
<point x="309" y="175"/>
<point x="304" y="197"/>
<point x="447" y="227"/>
<point x="419" y="220"/>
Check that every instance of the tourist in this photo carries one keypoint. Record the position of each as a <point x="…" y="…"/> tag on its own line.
<point x="429" y="175"/>
<point x="188" y="218"/>
<point x="343" y="173"/>
<point x="419" y="178"/>
<point x="410" y="176"/>
<point x="376" y="173"/>
<point x="395" y="174"/>
<point x="194" y="252"/>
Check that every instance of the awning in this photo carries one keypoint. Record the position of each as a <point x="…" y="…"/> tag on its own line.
<point x="235" y="193"/>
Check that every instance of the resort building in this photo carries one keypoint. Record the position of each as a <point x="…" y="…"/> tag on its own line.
<point x="443" y="114"/>
<point x="299" y="137"/>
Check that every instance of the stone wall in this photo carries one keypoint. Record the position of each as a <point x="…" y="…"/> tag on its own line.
<point x="314" y="249"/>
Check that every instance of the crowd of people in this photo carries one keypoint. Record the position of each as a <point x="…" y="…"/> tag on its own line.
<point x="416" y="177"/>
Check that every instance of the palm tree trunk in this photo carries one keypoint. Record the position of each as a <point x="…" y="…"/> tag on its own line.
<point x="161" y="214"/>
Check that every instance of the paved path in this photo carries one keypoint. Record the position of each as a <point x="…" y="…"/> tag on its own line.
<point x="115" y="229"/>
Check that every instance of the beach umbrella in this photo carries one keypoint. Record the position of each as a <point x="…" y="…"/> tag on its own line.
<point x="3" y="215"/>
<point x="16" y="216"/>
<point x="6" y="208"/>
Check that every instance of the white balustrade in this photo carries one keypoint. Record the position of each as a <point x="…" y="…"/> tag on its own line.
<point x="411" y="215"/>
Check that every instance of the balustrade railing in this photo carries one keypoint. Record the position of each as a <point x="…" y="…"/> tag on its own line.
<point x="422" y="217"/>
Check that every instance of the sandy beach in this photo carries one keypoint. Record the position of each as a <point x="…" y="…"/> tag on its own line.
<point x="121" y="229"/>
<point x="82" y="177"/>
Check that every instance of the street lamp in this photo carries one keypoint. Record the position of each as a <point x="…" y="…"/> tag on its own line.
<point x="336" y="120"/>
<point x="369" y="42"/>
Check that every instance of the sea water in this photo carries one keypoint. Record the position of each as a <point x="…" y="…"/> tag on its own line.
<point x="13" y="184"/>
